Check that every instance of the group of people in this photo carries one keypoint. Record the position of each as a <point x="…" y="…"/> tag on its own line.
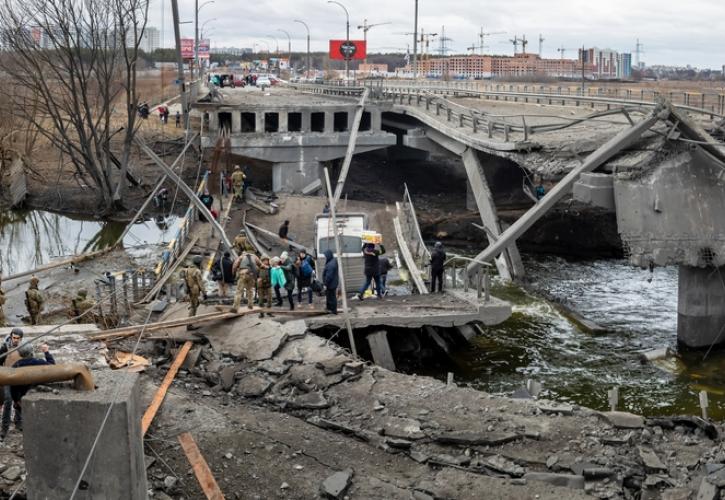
<point x="16" y="354"/>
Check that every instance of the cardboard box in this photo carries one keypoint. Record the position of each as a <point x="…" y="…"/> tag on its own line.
<point x="372" y="237"/>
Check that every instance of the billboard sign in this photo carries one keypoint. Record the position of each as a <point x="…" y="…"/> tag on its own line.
<point x="187" y="48"/>
<point x="204" y="48"/>
<point x="347" y="50"/>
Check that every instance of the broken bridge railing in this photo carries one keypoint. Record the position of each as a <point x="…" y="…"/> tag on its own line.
<point x="177" y="245"/>
<point x="410" y="242"/>
<point x="460" y="278"/>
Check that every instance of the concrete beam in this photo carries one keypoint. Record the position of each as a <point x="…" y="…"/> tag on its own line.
<point x="294" y="177"/>
<point x="508" y="263"/>
<point x="380" y="349"/>
<point x="701" y="307"/>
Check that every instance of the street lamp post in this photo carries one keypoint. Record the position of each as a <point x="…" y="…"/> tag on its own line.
<point x="308" y="44"/>
<point x="197" y="8"/>
<point x="415" y="42"/>
<point x="347" y="36"/>
<point x="289" y="46"/>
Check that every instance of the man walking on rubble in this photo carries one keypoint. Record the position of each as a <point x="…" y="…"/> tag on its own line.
<point x="8" y="359"/>
<point x="194" y="286"/>
<point x="238" y="183"/>
<point x="34" y="300"/>
<point x="331" y="280"/>
<point x="246" y="268"/>
<point x="437" y="262"/>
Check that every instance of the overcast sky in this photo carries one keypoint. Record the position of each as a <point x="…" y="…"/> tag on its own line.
<point x="671" y="32"/>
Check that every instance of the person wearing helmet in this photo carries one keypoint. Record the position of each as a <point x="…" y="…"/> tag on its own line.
<point x="82" y="303"/>
<point x="8" y="356"/>
<point x="2" y="302"/>
<point x="34" y="300"/>
<point x="241" y="243"/>
<point x="238" y="178"/>
<point x="194" y="285"/>
<point x="246" y="269"/>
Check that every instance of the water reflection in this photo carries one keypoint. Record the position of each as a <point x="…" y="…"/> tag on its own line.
<point x="29" y="239"/>
<point x="537" y="342"/>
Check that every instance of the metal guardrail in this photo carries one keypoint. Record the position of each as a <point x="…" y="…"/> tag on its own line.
<point x="177" y="244"/>
<point x="482" y="276"/>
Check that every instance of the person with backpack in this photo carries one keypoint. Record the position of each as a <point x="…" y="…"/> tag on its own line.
<point x="306" y="273"/>
<point x="222" y="273"/>
<point x="385" y="266"/>
<point x="246" y="269"/>
<point x="290" y="275"/>
<point x="331" y="279"/>
<point x="264" y="284"/>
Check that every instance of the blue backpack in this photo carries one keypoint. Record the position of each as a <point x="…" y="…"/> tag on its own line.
<point x="306" y="268"/>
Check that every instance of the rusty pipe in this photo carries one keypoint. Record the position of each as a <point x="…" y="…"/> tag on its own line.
<point x="43" y="374"/>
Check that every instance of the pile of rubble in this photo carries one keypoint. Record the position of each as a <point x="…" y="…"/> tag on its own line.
<point x="401" y="436"/>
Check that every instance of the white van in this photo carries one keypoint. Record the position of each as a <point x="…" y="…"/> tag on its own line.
<point x="350" y="228"/>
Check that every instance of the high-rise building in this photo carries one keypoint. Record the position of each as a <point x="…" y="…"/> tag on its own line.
<point x="150" y="40"/>
<point x="624" y="65"/>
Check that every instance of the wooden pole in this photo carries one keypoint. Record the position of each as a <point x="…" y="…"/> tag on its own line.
<point x="338" y="249"/>
<point x="201" y="469"/>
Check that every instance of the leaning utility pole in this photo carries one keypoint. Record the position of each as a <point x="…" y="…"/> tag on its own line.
<point x="180" y="63"/>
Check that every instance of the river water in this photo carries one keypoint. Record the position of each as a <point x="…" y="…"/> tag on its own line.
<point x="29" y="239"/>
<point x="639" y="310"/>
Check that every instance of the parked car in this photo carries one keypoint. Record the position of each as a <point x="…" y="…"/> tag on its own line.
<point x="263" y="81"/>
<point x="239" y="81"/>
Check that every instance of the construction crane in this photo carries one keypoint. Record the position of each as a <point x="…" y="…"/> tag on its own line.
<point x="541" y="44"/>
<point x="515" y="40"/>
<point x="562" y="51"/>
<point x="366" y="27"/>
<point x="482" y="36"/>
<point x="524" y="43"/>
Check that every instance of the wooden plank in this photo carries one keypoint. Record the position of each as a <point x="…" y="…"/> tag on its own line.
<point x="152" y="293"/>
<point x="408" y="258"/>
<point x="201" y="469"/>
<point x="153" y="408"/>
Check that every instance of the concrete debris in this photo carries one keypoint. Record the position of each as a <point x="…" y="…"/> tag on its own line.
<point x="623" y="420"/>
<point x="338" y="427"/>
<point x="564" y="480"/>
<point x="553" y="408"/>
<point x="401" y="444"/>
<point x="419" y="456"/>
<point x="445" y="459"/>
<point x="717" y="478"/>
<point x="336" y="485"/>
<point x="248" y="337"/>
<point x="310" y="401"/>
<point x="676" y="494"/>
<point x="476" y="439"/>
<point x="226" y="376"/>
<point x="170" y="482"/>
<point x="551" y="461"/>
<point x="708" y="491"/>
<point x="295" y="329"/>
<point x="656" y="481"/>
<point x="503" y="465"/>
<point x="334" y="365"/>
<point x="253" y="386"/>
<point x="616" y="440"/>
<point x="274" y="367"/>
<point x="12" y="473"/>
<point x="403" y="428"/>
<point x="651" y="461"/>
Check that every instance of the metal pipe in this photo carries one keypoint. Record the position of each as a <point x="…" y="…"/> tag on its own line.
<point x="28" y="375"/>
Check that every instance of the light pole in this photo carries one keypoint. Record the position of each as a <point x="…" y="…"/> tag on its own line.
<point x="347" y="36"/>
<point x="197" y="8"/>
<point x="276" y="42"/>
<point x="308" y="44"/>
<point x="289" y="44"/>
<point x="366" y="27"/>
<point x="415" y="42"/>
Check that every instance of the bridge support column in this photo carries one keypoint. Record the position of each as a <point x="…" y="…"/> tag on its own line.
<point x="701" y="306"/>
<point x="294" y="177"/>
<point x="236" y="122"/>
<point x="509" y="263"/>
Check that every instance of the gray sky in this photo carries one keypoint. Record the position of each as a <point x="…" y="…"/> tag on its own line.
<point x="672" y="32"/>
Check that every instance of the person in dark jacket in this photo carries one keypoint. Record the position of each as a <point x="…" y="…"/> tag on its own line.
<point x="290" y="274"/>
<point x="18" y="391"/>
<point x="223" y="274"/>
<point x="371" y="258"/>
<point x="305" y="267"/>
<point x="331" y="280"/>
<point x="385" y="266"/>
<point x="437" y="261"/>
<point x="284" y="231"/>
<point x="10" y="354"/>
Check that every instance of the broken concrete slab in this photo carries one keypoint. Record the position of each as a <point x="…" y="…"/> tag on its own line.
<point x="273" y="367"/>
<point x="555" y="408"/>
<point x="336" y="485"/>
<point x="253" y="386"/>
<point x="248" y="337"/>
<point x="402" y="428"/>
<point x="565" y="480"/>
<point x="623" y="419"/>
<point x="309" y="401"/>
<point x="226" y="376"/>
<point x="309" y="377"/>
<point x="192" y="358"/>
<point x="310" y="349"/>
<point x="295" y="329"/>
<point x="467" y="438"/>
<point x="676" y="494"/>
<point x="651" y="461"/>
<point x="503" y="465"/>
<point x="401" y="444"/>
<point x="334" y="365"/>
<point x="708" y="491"/>
<point x="445" y="459"/>
<point x="338" y="427"/>
<point x="617" y="440"/>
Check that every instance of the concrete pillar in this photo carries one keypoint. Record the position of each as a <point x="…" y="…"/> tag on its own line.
<point x="509" y="263"/>
<point x="329" y="122"/>
<point x="376" y="119"/>
<point x="470" y="198"/>
<point x="259" y="122"/>
<point x="701" y="306"/>
<point x="380" y="349"/>
<point x="294" y="177"/>
<point x="59" y="430"/>
<point x="236" y="122"/>
<point x="306" y="121"/>
<point x="213" y="121"/>
<point x="283" y="117"/>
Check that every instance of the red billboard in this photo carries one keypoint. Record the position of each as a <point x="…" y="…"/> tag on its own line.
<point x="347" y="50"/>
<point x="187" y="48"/>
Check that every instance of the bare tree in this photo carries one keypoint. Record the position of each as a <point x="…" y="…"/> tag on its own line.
<point x="79" y="57"/>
